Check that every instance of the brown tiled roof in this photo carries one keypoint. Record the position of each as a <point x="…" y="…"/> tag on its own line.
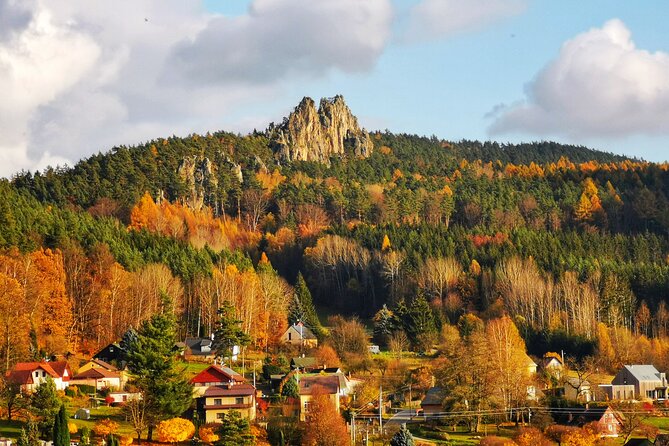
<point x="96" y="374"/>
<point x="329" y="383"/>
<point x="104" y="365"/>
<point x="236" y="390"/>
<point x="227" y="406"/>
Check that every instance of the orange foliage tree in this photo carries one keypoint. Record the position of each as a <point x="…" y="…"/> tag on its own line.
<point x="324" y="425"/>
<point x="105" y="427"/>
<point x="207" y="435"/>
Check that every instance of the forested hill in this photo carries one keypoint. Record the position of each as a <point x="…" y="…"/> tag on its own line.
<point x="560" y="237"/>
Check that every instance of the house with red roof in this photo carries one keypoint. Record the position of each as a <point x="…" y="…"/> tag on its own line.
<point x="29" y="375"/>
<point x="219" y="390"/>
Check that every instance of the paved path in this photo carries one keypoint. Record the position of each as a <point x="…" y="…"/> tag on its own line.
<point x="403" y="416"/>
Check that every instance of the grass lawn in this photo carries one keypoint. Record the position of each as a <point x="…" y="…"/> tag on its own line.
<point x="191" y="368"/>
<point x="444" y="435"/>
<point x="97" y="414"/>
<point x="661" y="423"/>
<point x="10" y="429"/>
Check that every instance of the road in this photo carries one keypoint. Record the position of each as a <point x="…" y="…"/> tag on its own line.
<point x="403" y="416"/>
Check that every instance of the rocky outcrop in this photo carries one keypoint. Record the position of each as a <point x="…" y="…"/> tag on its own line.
<point x="316" y="135"/>
<point x="199" y="176"/>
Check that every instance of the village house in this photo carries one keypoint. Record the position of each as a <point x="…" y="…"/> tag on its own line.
<point x="299" y="335"/>
<point x="219" y="390"/>
<point x="433" y="403"/>
<point x="636" y="382"/>
<point x="98" y="378"/>
<point x="202" y="349"/>
<point x="331" y="385"/>
<point x="608" y="421"/>
<point x="30" y="375"/>
<point x="105" y="367"/>
<point x="112" y="354"/>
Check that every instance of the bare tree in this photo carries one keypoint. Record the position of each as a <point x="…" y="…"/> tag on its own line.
<point x="254" y="202"/>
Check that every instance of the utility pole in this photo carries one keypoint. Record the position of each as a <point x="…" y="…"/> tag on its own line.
<point x="381" y="409"/>
<point x="353" y="427"/>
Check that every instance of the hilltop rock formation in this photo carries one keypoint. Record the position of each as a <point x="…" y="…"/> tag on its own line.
<point x="316" y="135"/>
<point x="198" y="174"/>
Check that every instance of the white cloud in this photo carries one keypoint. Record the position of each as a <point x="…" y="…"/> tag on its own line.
<point x="600" y="85"/>
<point x="432" y="19"/>
<point x="279" y="38"/>
<point x="79" y="76"/>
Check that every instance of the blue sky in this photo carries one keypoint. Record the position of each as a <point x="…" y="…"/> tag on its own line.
<point x="447" y="86"/>
<point x="81" y="76"/>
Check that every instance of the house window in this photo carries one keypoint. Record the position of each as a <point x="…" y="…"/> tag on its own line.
<point x="220" y="416"/>
<point x="43" y="374"/>
<point x="218" y="402"/>
<point x="239" y="400"/>
<point x="290" y="336"/>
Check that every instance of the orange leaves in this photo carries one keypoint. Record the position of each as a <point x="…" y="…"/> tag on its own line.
<point x="480" y="240"/>
<point x="200" y="228"/>
<point x="324" y="425"/>
<point x="105" y="427"/>
<point x="175" y="430"/>
<point x="207" y="435"/>
<point x="51" y="307"/>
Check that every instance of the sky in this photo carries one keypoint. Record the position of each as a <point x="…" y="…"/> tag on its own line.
<point x="81" y="76"/>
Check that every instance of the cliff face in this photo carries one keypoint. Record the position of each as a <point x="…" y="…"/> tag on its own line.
<point x="316" y="135"/>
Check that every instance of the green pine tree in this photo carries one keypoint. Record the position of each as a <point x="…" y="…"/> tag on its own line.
<point x="290" y="388"/>
<point x="228" y="332"/>
<point x="167" y="393"/>
<point x="421" y="327"/>
<point x="302" y="308"/>
<point x="403" y="437"/>
<point x="61" y="431"/>
<point x="384" y="325"/>
<point x="235" y="431"/>
<point x="44" y="405"/>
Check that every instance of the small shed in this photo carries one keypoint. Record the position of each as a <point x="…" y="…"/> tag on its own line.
<point x="82" y="414"/>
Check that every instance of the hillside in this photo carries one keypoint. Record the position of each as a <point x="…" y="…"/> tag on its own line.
<point x="560" y="237"/>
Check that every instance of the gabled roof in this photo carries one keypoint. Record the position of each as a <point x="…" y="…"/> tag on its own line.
<point x="530" y="361"/>
<point x="303" y="362"/>
<point x="97" y="373"/>
<point x="103" y="364"/>
<point x="579" y="416"/>
<point x="643" y="372"/>
<point x="434" y="397"/>
<point x="236" y="390"/>
<point x="195" y="345"/>
<point x="302" y="330"/>
<point x="330" y="383"/>
<point x="22" y="373"/>
<point x="217" y="374"/>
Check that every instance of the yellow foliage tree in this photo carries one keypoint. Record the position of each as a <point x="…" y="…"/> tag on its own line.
<point x="386" y="243"/>
<point x="72" y="428"/>
<point x="105" y="427"/>
<point x="175" y="430"/>
<point x="125" y="440"/>
<point x="583" y="209"/>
